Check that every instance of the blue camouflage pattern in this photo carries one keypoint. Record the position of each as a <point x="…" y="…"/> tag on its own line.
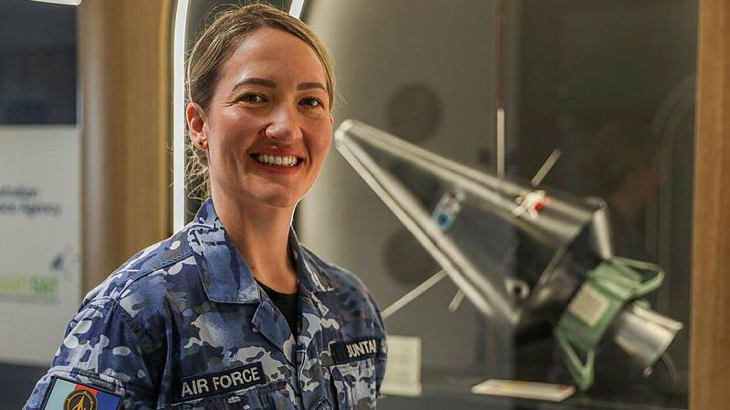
<point x="189" y="307"/>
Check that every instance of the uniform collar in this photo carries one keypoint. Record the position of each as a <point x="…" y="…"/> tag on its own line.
<point x="225" y="275"/>
<point x="309" y="275"/>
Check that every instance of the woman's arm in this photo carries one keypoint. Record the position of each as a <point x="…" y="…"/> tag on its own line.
<point x="104" y="349"/>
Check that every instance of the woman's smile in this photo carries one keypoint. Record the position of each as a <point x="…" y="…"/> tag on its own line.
<point x="279" y="160"/>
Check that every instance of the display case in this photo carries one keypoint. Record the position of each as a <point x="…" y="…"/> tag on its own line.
<point x="591" y="103"/>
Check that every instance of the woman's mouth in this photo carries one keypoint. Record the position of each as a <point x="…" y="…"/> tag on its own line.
<point x="275" y="160"/>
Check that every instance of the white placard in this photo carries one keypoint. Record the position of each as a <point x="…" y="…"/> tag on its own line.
<point x="403" y="370"/>
<point x="523" y="389"/>
<point x="40" y="230"/>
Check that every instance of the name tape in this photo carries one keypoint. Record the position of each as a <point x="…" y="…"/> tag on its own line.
<point x="348" y="352"/>
<point x="195" y="387"/>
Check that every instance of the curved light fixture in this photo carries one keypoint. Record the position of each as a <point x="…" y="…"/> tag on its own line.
<point x="296" y="8"/>
<point x="178" y="119"/>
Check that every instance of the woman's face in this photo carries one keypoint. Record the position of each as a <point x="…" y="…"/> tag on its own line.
<point x="268" y="128"/>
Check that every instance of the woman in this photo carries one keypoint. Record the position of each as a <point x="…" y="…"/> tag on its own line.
<point x="231" y="312"/>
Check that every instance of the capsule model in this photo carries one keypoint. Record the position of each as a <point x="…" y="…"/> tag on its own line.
<point x="526" y="257"/>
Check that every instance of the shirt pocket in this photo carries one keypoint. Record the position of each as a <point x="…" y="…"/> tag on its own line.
<point x="273" y="396"/>
<point x="355" y="384"/>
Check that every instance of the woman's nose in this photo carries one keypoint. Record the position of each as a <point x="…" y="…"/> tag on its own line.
<point x="283" y="126"/>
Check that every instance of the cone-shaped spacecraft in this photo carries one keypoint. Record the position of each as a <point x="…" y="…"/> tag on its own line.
<point x="527" y="257"/>
<point x="496" y="238"/>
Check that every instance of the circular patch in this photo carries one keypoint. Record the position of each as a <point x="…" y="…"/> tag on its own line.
<point x="414" y="112"/>
<point x="80" y="400"/>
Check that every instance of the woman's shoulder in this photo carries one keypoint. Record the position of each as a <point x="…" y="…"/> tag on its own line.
<point x="148" y="276"/>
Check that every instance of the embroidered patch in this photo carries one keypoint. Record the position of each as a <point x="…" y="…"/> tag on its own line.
<point x="348" y="352"/>
<point x="65" y="394"/>
<point x="195" y="387"/>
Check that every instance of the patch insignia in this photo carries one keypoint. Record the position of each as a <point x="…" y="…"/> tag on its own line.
<point x="348" y="352"/>
<point x="448" y="209"/>
<point x="195" y="387"/>
<point x="530" y="203"/>
<point x="69" y="395"/>
<point x="80" y="399"/>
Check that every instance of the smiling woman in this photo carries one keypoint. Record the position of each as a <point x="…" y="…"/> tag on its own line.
<point x="215" y="45"/>
<point x="270" y="101"/>
<point x="232" y="312"/>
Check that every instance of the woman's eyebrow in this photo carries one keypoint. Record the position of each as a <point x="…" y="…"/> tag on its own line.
<point x="271" y="84"/>
<point x="256" y="81"/>
<point x="309" y="86"/>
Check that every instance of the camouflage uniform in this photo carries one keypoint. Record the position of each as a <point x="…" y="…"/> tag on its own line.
<point x="183" y="324"/>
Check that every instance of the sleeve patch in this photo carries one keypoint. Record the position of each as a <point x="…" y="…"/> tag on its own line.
<point x="67" y="394"/>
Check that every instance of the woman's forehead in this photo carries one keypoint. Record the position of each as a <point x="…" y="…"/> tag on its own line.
<point x="273" y="53"/>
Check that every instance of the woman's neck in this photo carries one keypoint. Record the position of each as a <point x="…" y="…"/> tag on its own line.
<point x="261" y="234"/>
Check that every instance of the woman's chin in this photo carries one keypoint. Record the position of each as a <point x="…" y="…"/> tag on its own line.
<point x="273" y="200"/>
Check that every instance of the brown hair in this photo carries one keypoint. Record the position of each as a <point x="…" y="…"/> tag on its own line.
<point x="214" y="46"/>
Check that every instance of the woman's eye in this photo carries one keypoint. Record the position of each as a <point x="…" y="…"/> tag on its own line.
<point x="251" y="98"/>
<point x="312" y="102"/>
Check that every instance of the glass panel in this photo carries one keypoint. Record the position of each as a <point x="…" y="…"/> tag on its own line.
<point x="575" y="272"/>
<point x="610" y="84"/>
<point x="422" y="71"/>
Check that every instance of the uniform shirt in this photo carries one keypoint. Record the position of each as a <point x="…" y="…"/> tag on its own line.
<point x="288" y="305"/>
<point x="183" y="324"/>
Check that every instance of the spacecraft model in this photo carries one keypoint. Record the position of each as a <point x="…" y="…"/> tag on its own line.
<point x="527" y="258"/>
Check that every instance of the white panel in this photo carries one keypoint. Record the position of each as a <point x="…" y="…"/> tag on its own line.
<point x="40" y="239"/>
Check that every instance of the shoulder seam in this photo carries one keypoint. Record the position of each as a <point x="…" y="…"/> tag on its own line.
<point x="132" y="325"/>
<point x="98" y="377"/>
<point x="142" y="274"/>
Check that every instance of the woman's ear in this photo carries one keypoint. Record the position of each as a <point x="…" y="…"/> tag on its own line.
<point x="196" y="124"/>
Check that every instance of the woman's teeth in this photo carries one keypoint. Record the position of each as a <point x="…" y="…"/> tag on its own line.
<point x="288" y="161"/>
